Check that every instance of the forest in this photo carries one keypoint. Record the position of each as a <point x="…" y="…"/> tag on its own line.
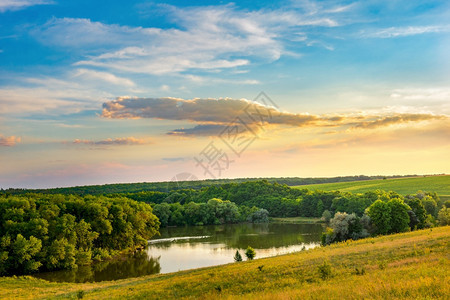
<point x="50" y="232"/>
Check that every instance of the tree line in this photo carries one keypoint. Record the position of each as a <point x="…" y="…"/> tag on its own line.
<point x="194" y="184"/>
<point x="282" y="200"/>
<point x="215" y="211"/>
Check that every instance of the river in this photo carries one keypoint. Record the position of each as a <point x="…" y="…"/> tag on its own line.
<point x="182" y="248"/>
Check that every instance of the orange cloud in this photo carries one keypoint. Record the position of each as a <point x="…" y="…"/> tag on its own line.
<point x="214" y="115"/>
<point x="9" y="141"/>
<point x="116" y="141"/>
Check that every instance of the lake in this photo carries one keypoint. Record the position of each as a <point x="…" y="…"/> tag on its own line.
<point x="182" y="248"/>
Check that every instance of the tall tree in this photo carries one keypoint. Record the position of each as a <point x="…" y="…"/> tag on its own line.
<point x="380" y="215"/>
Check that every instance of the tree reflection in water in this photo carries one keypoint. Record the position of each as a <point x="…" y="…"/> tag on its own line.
<point x="139" y="264"/>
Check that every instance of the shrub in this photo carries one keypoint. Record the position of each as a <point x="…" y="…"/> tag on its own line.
<point x="237" y="256"/>
<point x="250" y="253"/>
<point x="324" y="270"/>
<point x="444" y="216"/>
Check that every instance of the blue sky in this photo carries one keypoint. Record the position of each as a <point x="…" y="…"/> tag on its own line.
<point x="68" y="69"/>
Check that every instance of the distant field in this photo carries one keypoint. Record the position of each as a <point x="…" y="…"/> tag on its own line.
<point x="438" y="184"/>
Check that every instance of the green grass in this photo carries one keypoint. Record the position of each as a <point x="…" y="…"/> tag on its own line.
<point x="414" y="265"/>
<point x="438" y="184"/>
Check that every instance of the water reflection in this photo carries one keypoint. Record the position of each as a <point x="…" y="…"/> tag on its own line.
<point x="218" y="244"/>
<point x="139" y="264"/>
<point x="181" y="248"/>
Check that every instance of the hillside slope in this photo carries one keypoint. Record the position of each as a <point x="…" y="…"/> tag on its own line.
<point x="438" y="184"/>
<point x="410" y="265"/>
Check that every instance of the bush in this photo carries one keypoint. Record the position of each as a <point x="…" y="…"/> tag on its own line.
<point x="326" y="216"/>
<point x="324" y="270"/>
<point x="345" y="226"/>
<point x="259" y="216"/>
<point x="444" y="216"/>
<point x="237" y="256"/>
<point x="250" y="253"/>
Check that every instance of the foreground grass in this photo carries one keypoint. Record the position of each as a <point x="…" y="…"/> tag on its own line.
<point x="409" y="266"/>
<point x="438" y="184"/>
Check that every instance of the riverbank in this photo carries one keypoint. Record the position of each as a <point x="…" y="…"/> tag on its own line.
<point x="297" y="220"/>
<point x="409" y="265"/>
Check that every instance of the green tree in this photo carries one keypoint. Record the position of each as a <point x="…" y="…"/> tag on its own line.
<point x="23" y="254"/>
<point x="237" y="256"/>
<point x="418" y="209"/>
<point x="399" y="215"/>
<point x="259" y="216"/>
<point x="60" y="254"/>
<point x="319" y="208"/>
<point x="162" y="211"/>
<point x="444" y="216"/>
<point x="250" y="253"/>
<point x="430" y="205"/>
<point x="380" y="216"/>
<point x="326" y="216"/>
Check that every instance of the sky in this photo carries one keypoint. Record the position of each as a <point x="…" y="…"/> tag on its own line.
<point x="97" y="92"/>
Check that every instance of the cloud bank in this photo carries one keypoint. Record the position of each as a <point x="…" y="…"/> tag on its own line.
<point x="211" y="116"/>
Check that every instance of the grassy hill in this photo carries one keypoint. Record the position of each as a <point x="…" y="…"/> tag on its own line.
<point x="438" y="184"/>
<point x="414" y="265"/>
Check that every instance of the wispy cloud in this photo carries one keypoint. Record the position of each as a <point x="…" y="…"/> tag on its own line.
<point x="73" y="91"/>
<point x="202" y="130"/>
<point x="174" y="159"/>
<point x="393" y="32"/>
<point x="103" y="76"/>
<point x="9" y="141"/>
<point x="422" y="94"/>
<point x="6" y="5"/>
<point x="383" y="121"/>
<point x="204" y="38"/>
<point x="213" y="115"/>
<point x="112" y="142"/>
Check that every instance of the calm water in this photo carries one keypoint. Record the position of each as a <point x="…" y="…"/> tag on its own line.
<point x="182" y="248"/>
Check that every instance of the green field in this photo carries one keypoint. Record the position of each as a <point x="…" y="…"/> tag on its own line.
<point x="438" y="184"/>
<point x="414" y="265"/>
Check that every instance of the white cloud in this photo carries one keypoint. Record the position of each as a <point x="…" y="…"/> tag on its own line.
<point x="6" y="5"/>
<point x="50" y="95"/>
<point x="438" y="93"/>
<point x="103" y="76"/>
<point x="393" y="32"/>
